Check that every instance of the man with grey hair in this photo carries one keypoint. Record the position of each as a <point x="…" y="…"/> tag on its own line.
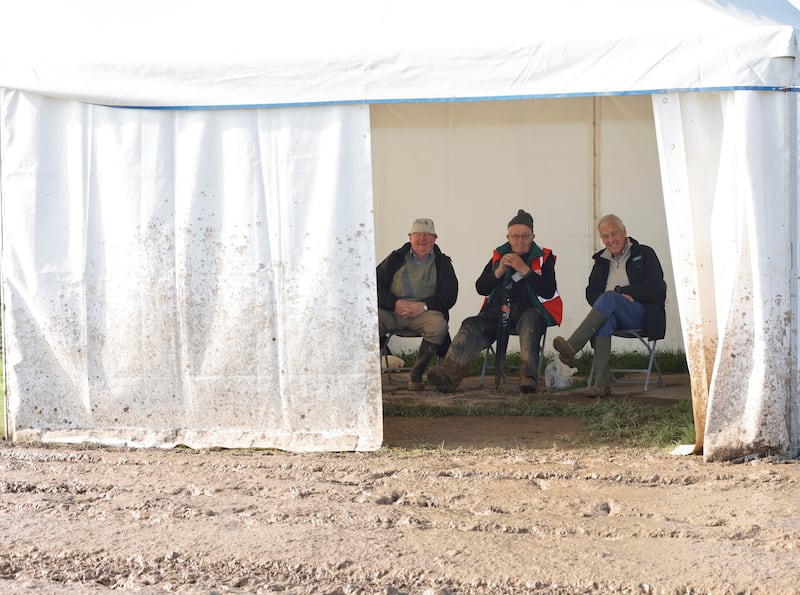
<point x="626" y="290"/>
<point x="417" y="287"/>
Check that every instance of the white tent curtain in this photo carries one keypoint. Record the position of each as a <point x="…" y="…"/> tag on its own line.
<point x="726" y="163"/>
<point x="189" y="277"/>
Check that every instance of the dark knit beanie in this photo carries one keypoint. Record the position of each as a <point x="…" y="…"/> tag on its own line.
<point x="522" y="218"/>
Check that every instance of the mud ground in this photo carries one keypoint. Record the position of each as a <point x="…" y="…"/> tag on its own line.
<point x="448" y="505"/>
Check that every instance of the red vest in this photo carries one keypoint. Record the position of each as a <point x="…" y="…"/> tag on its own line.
<point x="552" y="307"/>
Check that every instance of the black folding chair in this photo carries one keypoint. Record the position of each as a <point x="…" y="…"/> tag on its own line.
<point x="408" y="334"/>
<point x="513" y="333"/>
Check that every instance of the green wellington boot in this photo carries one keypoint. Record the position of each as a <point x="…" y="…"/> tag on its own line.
<point x="567" y="348"/>
<point x="602" y="355"/>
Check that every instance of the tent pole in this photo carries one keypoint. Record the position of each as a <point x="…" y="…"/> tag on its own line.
<point x="792" y="141"/>
<point x="596" y="198"/>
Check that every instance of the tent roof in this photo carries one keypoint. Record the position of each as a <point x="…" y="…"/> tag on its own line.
<point x="240" y="53"/>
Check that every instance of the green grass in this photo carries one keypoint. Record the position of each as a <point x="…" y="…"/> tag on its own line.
<point x="618" y="423"/>
<point x="633" y="424"/>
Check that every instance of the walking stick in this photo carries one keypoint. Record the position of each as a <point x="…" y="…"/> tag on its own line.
<point x="503" y="328"/>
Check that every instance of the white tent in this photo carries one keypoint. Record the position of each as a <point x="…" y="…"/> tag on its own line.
<point x="198" y="267"/>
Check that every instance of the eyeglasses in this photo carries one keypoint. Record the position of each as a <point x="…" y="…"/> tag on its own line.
<point x="520" y="237"/>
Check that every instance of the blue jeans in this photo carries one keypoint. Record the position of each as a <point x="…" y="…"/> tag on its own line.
<point x="619" y="313"/>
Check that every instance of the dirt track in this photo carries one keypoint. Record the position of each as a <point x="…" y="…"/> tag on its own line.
<point x="528" y="514"/>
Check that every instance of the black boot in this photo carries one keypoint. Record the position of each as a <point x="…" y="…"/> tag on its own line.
<point x="527" y="381"/>
<point x="424" y="356"/>
<point x="447" y="375"/>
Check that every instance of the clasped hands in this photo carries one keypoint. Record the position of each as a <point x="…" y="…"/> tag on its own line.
<point x="514" y="261"/>
<point x="408" y="309"/>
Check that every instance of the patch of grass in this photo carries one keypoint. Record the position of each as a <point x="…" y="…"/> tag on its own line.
<point x="633" y="424"/>
<point x="618" y="423"/>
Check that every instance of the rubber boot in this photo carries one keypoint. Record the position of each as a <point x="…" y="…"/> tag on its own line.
<point x="447" y="376"/>
<point x="602" y="355"/>
<point x="567" y="348"/>
<point x="527" y="384"/>
<point x="424" y="356"/>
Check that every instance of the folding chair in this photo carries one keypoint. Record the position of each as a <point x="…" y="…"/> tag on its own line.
<point x="650" y="345"/>
<point x="385" y="352"/>
<point x="513" y="333"/>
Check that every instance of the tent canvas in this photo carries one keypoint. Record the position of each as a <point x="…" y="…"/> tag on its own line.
<point x="259" y="294"/>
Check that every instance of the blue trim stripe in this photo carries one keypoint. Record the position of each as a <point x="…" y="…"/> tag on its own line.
<point x="790" y="89"/>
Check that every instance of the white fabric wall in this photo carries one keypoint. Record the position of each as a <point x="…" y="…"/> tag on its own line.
<point x="307" y="51"/>
<point x="727" y="161"/>
<point x="189" y="277"/>
<point x="470" y="166"/>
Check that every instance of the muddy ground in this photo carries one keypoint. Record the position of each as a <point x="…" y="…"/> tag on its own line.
<point x="449" y="505"/>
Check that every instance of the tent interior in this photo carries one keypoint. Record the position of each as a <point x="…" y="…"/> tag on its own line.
<point x="470" y="166"/>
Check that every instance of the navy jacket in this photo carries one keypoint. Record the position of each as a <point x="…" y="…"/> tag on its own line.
<point x="646" y="278"/>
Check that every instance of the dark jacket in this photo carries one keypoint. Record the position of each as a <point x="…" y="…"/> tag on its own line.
<point x="646" y="278"/>
<point x="535" y="289"/>
<point x="446" y="292"/>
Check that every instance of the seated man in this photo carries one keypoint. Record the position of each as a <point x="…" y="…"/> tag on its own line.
<point x="626" y="290"/>
<point x="522" y="276"/>
<point x="417" y="286"/>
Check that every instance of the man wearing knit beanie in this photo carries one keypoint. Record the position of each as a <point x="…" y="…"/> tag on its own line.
<point x="522" y="218"/>
<point x="521" y="277"/>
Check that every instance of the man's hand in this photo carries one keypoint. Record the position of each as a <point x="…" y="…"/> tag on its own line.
<point x="408" y="309"/>
<point x="514" y="261"/>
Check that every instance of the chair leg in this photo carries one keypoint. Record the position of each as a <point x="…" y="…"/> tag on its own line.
<point x="541" y="355"/>
<point x="490" y="349"/>
<point x="388" y="370"/>
<point x="653" y="362"/>
<point x="385" y="357"/>
<point x="661" y="382"/>
<point x="485" y="363"/>
<point x="649" y="367"/>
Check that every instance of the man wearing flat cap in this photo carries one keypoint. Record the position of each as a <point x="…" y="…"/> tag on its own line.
<point x="417" y="287"/>
<point x="520" y="277"/>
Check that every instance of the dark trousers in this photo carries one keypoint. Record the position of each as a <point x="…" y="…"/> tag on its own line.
<point x="478" y="332"/>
